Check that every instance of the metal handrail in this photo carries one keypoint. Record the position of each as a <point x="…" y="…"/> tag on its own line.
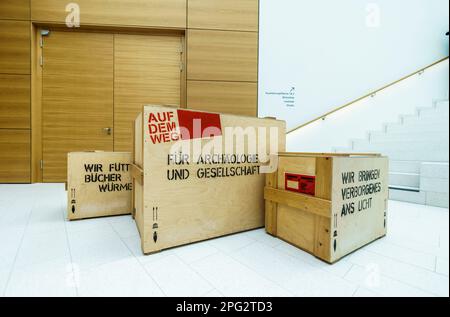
<point x="322" y="117"/>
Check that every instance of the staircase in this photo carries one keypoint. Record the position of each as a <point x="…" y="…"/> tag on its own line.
<point x="418" y="149"/>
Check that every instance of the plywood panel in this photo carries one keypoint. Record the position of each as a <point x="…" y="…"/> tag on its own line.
<point x="15" y="52"/>
<point x="147" y="71"/>
<point x="89" y="195"/>
<point x="181" y="210"/>
<point x="15" y="9"/>
<point x="296" y="226"/>
<point x="14" y="156"/>
<point x="15" y="101"/>
<point x="362" y="217"/>
<point x="225" y="97"/>
<point x="223" y="14"/>
<point x="77" y="98"/>
<point x="162" y="13"/>
<point x="222" y="55"/>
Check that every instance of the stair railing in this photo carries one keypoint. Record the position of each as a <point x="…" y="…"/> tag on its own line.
<point x="370" y="94"/>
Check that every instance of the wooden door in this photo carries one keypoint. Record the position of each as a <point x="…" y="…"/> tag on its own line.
<point x="147" y="71"/>
<point x="77" y="98"/>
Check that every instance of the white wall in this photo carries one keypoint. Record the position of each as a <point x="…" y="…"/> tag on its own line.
<point x="338" y="129"/>
<point x="332" y="51"/>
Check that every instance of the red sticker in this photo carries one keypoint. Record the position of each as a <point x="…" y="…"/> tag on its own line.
<point x="303" y="184"/>
<point x="198" y="125"/>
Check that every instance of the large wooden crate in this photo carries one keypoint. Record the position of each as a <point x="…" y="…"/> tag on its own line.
<point x="328" y="204"/>
<point x="177" y="203"/>
<point x="98" y="184"/>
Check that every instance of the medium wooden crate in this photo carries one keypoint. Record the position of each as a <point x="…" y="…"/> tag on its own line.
<point x="98" y="184"/>
<point x="328" y="204"/>
<point x="172" y="212"/>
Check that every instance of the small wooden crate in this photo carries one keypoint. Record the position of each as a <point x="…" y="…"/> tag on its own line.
<point x="328" y="204"/>
<point x="98" y="184"/>
<point x="192" y="207"/>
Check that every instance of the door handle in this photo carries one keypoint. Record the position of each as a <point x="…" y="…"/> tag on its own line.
<point x="108" y="131"/>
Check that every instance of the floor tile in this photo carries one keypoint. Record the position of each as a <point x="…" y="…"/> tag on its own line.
<point x="213" y="293"/>
<point x="339" y="269"/>
<point x="45" y="217"/>
<point x="86" y="224"/>
<point x="262" y="236"/>
<point x="42" y="247"/>
<point x="424" y="260"/>
<point x="299" y="277"/>
<point x="442" y="266"/>
<point x="372" y="280"/>
<point x="195" y="252"/>
<point x="176" y="278"/>
<point x="232" y="243"/>
<point x="49" y="279"/>
<point x="125" y="226"/>
<point x="134" y="245"/>
<point x="95" y="247"/>
<point x="124" y="278"/>
<point x="365" y="293"/>
<point x="232" y="278"/>
<point x="423" y="279"/>
<point x="4" y="276"/>
<point x="43" y="254"/>
<point x="10" y="240"/>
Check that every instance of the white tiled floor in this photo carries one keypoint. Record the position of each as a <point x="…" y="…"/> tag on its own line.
<point x="41" y="254"/>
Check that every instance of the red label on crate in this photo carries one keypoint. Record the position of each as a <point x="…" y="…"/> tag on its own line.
<point x="198" y="125"/>
<point x="164" y="128"/>
<point x="303" y="184"/>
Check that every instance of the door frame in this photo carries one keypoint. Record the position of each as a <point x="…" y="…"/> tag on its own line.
<point x="37" y="77"/>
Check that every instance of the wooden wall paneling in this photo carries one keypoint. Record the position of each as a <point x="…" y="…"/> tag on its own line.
<point x="14" y="101"/>
<point x="239" y="15"/>
<point x="238" y="98"/>
<point x="36" y="106"/>
<point x="149" y="13"/>
<point x="222" y="55"/>
<point x="147" y="71"/>
<point x="14" y="156"/>
<point x="77" y="97"/>
<point x="183" y="101"/>
<point x="15" y="53"/>
<point x="15" y="9"/>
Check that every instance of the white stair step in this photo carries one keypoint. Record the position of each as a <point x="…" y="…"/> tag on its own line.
<point x="343" y="150"/>
<point x="437" y="199"/>
<point x="435" y="170"/>
<point x="436" y="185"/>
<point x="432" y="112"/>
<point x="404" y="179"/>
<point x="442" y="104"/>
<point x="407" y="196"/>
<point x="406" y="136"/>
<point x="435" y="156"/>
<point x="427" y="156"/>
<point x="404" y="166"/>
<point x="401" y="146"/>
<point x="424" y="127"/>
<point x="427" y="117"/>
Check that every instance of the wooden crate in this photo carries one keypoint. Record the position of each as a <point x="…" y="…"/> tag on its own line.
<point x="180" y="204"/>
<point x="98" y="184"/>
<point x="328" y="204"/>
